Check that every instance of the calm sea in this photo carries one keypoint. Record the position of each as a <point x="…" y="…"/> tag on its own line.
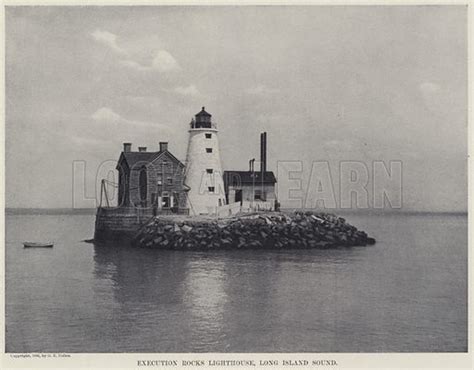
<point x="407" y="293"/>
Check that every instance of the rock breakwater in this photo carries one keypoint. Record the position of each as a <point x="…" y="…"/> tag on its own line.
<point x="272" y="230"/>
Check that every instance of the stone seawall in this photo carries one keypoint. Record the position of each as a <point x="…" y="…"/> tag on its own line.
<point x="112" y="224"/>
<point x="272" y="230"/>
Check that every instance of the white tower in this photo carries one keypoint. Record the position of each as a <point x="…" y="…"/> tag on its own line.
<point x="203" y="167"/>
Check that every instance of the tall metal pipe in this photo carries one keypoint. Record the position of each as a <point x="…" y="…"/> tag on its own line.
<point x="264" y="152"/>
<point x="263" y="162"/>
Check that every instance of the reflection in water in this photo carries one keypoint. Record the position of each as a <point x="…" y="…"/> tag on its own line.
<point x="405" y="294"/>
<point x="138" y="275"/>
<point x="146" y="287"/>
<point x="205" y="300"/>
<point x="198" y="301"/>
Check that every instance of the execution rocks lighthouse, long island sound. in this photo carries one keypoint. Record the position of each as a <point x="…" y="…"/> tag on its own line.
<point x="159" y="198"/>
<point x="203" y="166"/>
<point x="157" y="184"/>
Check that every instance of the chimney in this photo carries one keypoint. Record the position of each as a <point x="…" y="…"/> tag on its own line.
<point x="251" y="165"/>
<point x="142" y="148"/>
<point x="163" y="146"/>
<point x="263" y="153"/>
<point x="127" y="147"/>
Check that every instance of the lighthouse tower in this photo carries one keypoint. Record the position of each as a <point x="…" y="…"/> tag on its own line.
<point x="203" y="166"/>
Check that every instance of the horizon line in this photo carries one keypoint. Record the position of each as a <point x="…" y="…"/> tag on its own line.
<point x="328" y="210"/>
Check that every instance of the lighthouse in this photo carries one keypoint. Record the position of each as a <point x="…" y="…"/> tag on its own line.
<point x="203" y="166"/>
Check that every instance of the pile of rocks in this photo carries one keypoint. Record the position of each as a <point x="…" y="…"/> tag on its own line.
<point x="272" y="230"/>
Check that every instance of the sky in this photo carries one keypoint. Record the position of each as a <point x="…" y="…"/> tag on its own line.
<point x="327" y="83"/>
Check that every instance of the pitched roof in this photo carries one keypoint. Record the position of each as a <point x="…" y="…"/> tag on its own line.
<point x="203" y="113"/>
<point x="133" y="158"/>
<point x="245" y="177"/>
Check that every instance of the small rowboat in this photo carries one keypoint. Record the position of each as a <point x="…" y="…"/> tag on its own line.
<point x="37" y="245"/>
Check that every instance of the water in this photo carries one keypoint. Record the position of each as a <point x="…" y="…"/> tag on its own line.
<point x="408" y="293"/>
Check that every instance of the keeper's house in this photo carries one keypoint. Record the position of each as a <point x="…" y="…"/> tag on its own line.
<point x="151" y="180"/>
<point x="150" y="184"/>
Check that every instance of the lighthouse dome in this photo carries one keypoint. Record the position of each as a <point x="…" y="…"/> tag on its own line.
<point x="203" y="119"/>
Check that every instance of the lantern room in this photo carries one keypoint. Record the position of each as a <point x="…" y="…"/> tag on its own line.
<point x="202" y="120"/>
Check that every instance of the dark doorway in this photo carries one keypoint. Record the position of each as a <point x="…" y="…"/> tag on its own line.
<point x="238" y="196"/>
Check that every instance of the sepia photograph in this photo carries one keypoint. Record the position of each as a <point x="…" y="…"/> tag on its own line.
<point x="236" y="180"/>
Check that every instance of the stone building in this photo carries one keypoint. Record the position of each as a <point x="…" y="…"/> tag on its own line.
<point x="151" y="180"/>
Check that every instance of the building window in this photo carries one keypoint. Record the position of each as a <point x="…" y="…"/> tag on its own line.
<point x="209" y="170"/>
<point x="259" y="195"/>
<point x="211" y="189"/>
<point x="166" y="201"/>
<point x="169" y="180"/>
<point x="166" y="166"/>
<point x="208" y="136"/>
<point x="159" y="180"/>
<point x="209" y="150"/>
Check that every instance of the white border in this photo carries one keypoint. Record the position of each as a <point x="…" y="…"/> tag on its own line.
<point x="344" y="360"/>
